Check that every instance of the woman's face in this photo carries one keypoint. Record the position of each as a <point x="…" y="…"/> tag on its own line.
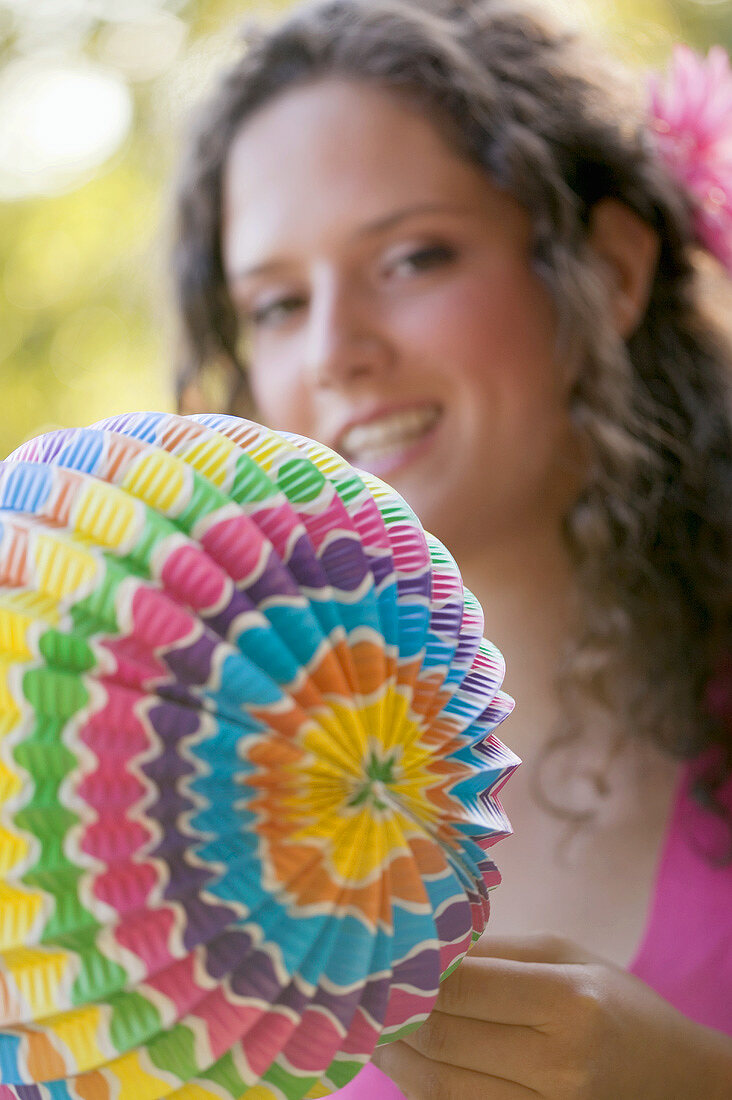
<point x="392" y="311"/>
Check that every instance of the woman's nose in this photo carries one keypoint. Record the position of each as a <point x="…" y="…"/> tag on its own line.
<point x="345" y="340"/>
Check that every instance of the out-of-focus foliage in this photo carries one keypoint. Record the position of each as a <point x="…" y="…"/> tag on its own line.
<point x="84" y="329"/>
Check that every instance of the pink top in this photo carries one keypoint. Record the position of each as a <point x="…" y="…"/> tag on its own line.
<point x="686" y="950"/>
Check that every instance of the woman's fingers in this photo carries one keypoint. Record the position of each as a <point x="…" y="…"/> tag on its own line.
<point x="517" y="1054"/>
<point x="421" y="1078"/>
<point x="538" y="947"/>
<point x="504" y="991"/>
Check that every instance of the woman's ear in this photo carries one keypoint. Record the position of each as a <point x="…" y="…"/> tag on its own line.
<point x="628" y="248"/>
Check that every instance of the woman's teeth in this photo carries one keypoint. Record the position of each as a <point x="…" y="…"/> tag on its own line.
<point x="389" y="434"/>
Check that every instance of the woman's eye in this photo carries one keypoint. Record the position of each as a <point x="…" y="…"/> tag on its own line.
<point x="422" y="259"/>
<point x="276" y="311"/>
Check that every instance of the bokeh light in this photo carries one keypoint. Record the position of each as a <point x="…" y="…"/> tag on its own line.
<point x="58" y="123"/>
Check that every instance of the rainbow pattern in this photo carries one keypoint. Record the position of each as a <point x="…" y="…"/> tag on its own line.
<point x="248" y="773"/>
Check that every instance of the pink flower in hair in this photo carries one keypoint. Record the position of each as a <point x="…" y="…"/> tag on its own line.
<point x="691" y="122"/>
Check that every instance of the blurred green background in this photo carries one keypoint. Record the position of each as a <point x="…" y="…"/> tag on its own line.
<point x="94" y="95"/>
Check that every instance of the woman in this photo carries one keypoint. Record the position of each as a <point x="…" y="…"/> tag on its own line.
<point x="425" y="235"/>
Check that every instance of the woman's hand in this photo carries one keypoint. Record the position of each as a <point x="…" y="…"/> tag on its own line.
<point x="540" y="1017"/>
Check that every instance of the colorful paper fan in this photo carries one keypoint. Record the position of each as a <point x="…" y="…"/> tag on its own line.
<point x="248" y="773"/>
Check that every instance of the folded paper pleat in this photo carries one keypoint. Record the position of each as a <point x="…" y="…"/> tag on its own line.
<point x="248" y="768"/>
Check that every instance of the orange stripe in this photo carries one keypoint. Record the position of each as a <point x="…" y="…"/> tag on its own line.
<point x="370" y="666"/>
<point x="121" y="450"/>
<point x="17" y="558"/>
<point x="44" y="1063"/>
<point x="92" y="1086"/>
<point x="63" y="498"/>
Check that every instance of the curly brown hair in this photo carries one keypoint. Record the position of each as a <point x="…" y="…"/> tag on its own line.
<point x="650" y="534"/>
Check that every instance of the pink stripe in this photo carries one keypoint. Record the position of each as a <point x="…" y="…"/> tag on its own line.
<point x="178" y="983"/>
<point x="190" y="572"/>
<point x="126" y="888"/>
<point x="149" y="938"/>
<point x="236" y="545"/>
<point x="157" y="621"/>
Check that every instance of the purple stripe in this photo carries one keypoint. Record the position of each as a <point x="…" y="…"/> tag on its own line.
<point x="305" y="566"/>
<point x="275" y="580"/>
<point x="239" y="604"/>
<point x="454" y="921"/>
<point x="415" y="586"/>
<point x="345" y="564"/>
<point x="192" y="662"/>
<point x="381" y="567"/>
<point x="421" y="970"/>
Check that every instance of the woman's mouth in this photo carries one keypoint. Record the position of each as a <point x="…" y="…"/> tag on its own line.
<point x="382" y="444"/>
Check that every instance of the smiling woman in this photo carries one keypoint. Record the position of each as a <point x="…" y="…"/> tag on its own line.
<point x="438" y="238"/>
<point x="392" y="307"/>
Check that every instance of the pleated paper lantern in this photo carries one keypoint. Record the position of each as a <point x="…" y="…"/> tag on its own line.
<point x="248" y="773"/>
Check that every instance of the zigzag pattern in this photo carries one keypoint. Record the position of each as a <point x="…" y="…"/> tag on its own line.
<point x="248" y="773"/>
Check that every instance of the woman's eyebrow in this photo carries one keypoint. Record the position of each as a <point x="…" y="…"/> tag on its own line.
<point x="267" y="267"/>
<point x="379" y="225"/>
